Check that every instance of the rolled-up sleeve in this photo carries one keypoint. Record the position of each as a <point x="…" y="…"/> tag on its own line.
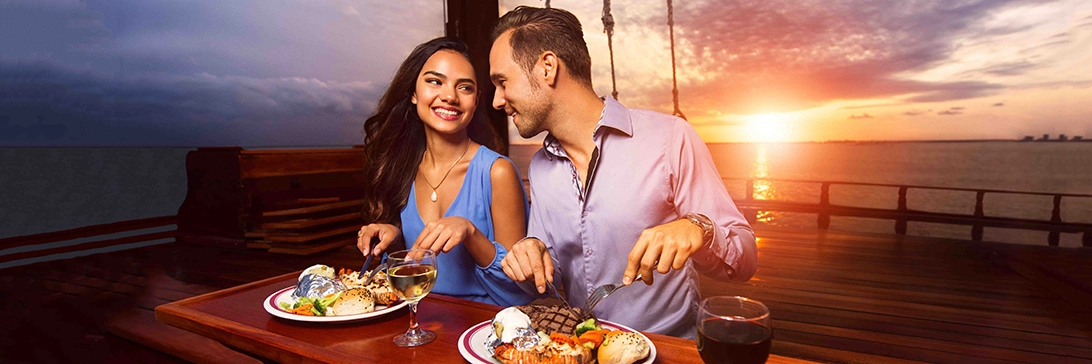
<point x="698" y="187"/>
<point x="501" y="288"/>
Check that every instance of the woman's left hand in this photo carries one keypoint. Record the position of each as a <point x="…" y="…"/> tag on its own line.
<point x="444" y="234"/>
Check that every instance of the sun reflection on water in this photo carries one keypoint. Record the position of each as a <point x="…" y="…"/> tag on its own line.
<point x="763" y="189"/>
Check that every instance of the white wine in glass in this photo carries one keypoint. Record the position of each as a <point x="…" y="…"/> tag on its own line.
<point x="412" y="273"/>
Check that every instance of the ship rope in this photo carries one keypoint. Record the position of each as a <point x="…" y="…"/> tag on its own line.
<point x="608" y="27"/>
<point x="674" y="82"/>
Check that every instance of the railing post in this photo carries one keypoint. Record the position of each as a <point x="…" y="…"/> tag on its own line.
<point x="900" y="224"/>
<point x="976" y="230"/>
<point x="902" y="198"/>
<point x="824" y="204"/>
<point x="1055" y="216"/>
<point x="750" y="189"/>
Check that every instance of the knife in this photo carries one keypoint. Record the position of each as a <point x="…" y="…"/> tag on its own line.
<point x="382" y="265"/>
<point x="368" y="261"/>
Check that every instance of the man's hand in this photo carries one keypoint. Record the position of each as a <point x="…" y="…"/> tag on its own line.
<point x="386" y="233"/>
<point x="662" y="248"/>
<point x="529" y="259"/>
<point x="444" y="234"/>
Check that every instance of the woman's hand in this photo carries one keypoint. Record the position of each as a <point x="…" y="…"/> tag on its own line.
<point x="444" y="234"/>
<point x="386" y="233"/>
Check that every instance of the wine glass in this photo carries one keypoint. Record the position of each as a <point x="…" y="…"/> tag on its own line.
<point x="412" y="273"/>
<point x="733" y="330"/>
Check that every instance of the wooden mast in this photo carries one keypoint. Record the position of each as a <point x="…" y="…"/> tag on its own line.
<point x="472" y="21"/>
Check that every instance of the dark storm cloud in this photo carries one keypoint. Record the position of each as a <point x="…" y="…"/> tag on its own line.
<point x="801" y="54"/>
<point x="42" y="103"/>
<point x="202" y="72"/>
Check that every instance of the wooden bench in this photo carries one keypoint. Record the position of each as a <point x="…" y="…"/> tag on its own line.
<point x="296" y="201"/>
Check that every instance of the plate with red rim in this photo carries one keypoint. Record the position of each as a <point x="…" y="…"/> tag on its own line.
<point x="472" y="343"/>
<point x="272" y="305"/>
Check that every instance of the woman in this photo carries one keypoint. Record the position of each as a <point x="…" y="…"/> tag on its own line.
<point x="433" y="182"/>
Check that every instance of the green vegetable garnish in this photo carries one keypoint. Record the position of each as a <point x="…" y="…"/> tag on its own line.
<point x="318" y="305"/>
<point x="586" y="326"/>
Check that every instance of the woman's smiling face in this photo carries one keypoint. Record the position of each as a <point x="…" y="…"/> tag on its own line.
<point x="446" y="94"/>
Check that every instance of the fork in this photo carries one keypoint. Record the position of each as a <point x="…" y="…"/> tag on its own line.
<point x="599" y="294"/>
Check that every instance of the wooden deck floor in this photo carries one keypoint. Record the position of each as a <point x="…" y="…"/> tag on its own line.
<point x="866" y="298"/>
<point x="838" y="297"/>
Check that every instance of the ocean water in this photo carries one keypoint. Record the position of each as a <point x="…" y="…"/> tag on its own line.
<point x="51" y="189"/>
<point x="1016" y="166"/>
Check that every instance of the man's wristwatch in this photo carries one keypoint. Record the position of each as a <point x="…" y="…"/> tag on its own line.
<point x="708" y="230"/>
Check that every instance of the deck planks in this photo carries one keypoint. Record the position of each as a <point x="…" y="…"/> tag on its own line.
<point x="837" y="297"/>
<point x="918" y="299"/>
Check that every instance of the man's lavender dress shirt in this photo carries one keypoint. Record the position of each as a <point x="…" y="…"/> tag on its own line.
<point x="648" y="169"/>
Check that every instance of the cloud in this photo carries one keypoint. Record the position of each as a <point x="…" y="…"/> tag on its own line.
<point x="861" y="116"/>
<point x="49" y="104"/>
<point x="1010" y="69"/>
<point x="951" y="111"/>
<point x="203" y="72"/>
<point x="915" y="112"/>
<point x="760" y="56"/>
<point x="999" y="104"/>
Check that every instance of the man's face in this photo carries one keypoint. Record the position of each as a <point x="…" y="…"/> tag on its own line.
<point x="520" y="96"/>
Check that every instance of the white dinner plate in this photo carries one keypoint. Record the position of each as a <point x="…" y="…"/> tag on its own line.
<point x="273" y="306"/>
<point x="472" y="343"/>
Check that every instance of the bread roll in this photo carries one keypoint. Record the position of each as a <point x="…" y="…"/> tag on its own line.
<point x="623" y="348"/>
<point x="353" y="302"/>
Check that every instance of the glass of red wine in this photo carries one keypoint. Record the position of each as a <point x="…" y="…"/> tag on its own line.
<point x="733" y="330"/>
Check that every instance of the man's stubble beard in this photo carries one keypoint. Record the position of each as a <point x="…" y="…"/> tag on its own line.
<point x="535" y="115"/>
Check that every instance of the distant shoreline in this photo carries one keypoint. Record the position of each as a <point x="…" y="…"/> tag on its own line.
<point x="517" y="144"/>
<point x="900" y="141"/>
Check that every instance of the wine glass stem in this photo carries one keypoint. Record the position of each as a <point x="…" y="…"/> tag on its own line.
<point x="413" y="317"/>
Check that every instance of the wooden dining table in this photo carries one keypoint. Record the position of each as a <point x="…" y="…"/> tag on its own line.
<point x="236" y="317"/>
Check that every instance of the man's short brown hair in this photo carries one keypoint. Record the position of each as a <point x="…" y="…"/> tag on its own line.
<point x="537" y="30"/>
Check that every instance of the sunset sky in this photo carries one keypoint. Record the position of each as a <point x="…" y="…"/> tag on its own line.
<point x="307" y="73"/>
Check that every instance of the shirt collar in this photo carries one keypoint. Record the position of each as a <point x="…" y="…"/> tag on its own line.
<point x="614" y="116"/>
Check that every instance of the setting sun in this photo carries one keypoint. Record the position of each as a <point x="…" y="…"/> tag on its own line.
<point x="770" y="127"/>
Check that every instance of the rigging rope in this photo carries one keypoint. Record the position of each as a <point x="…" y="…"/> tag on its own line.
<point x="674" y="81"/>
<point x="608" y="27"/>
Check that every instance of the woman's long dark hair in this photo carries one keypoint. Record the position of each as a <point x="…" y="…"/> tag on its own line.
<point x="394" y="138"/>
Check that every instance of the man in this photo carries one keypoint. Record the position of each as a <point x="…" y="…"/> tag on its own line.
<point x="615" y="193"/>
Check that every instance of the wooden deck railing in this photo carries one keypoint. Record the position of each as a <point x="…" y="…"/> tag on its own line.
<point x="977" y="220"/>
<point x="19" y="250"/>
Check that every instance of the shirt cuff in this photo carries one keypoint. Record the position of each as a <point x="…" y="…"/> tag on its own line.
<point x="719" y="252"/>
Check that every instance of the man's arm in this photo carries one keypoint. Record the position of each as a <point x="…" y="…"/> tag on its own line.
<point x="529" y="260"/>
<point x="731" y="253"/>
<point x="697" y="188"/>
